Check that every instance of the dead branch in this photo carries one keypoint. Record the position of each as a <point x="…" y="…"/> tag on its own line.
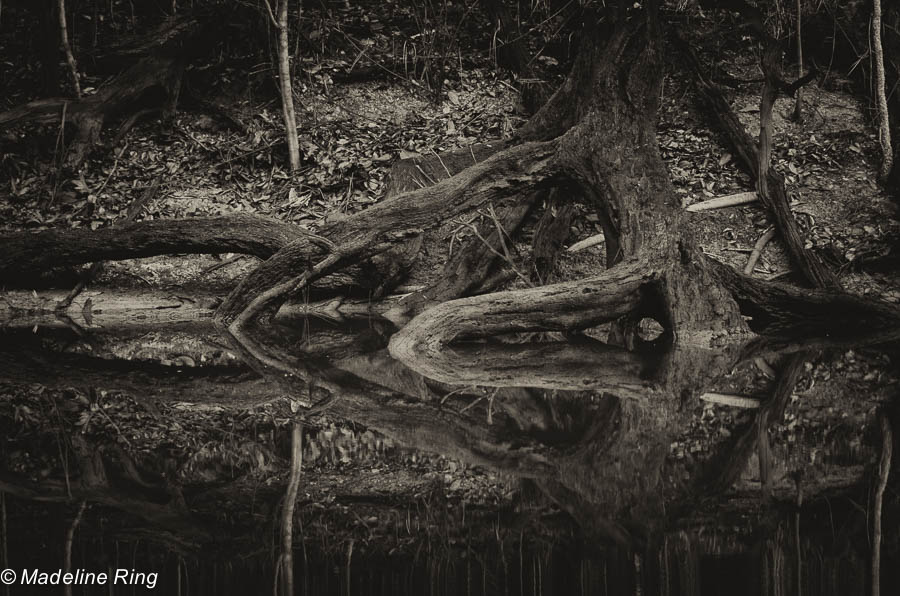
<point x="757" y="250"/>
<point x="740" y="198"/>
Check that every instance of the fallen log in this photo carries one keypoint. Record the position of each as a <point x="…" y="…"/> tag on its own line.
<point x="28" y="252"/>
<point x="108" y="309"/>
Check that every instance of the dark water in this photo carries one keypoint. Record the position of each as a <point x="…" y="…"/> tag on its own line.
<point x="543" y="464"/>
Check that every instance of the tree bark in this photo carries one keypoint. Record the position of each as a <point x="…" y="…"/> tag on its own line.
<point x="884" y="468"/>
<point x="287" y="515"/>
<point x="284" y="81"/>
<point x="390" y="223"/>
<point x="423" y="343"/>
<point x="884" y="125"/>
<point x="798" y="99"/>
<point x="27" y="252"/>
<point x="67" y="546"/>
<point x="64" y="40"/>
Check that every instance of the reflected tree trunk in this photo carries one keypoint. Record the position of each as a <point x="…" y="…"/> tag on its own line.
<point x="287" y="514"/>
<point x="884" y="469"/>
<point x="67" y="546"/>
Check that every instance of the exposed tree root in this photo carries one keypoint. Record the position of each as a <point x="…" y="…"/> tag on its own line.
<point x="775" y="196"/>
<point x="423" y="343"/>
<point x="154" y="79"/>
<point x="27" y="252"/>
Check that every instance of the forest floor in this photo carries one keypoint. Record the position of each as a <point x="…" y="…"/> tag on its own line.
<point x="350" y="135"/>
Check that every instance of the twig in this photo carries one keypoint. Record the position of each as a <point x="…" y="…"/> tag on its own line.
<point x="247" y="154"/>
<point x="113" y="170"/>
<point x="478" y="399"/>
<point x="429" y="178"/>
<point x="446" y="169"/>
<point x="292" y="285"/>
<point x="356" y="45"/>
<point x="321" y="405"/>
<point x="86" y="276"/>
<point x="115" y="426"/>
<point x="454" y="392"/>
<point x="500" y="232"/>
<point x="271" y="14"/>
<point x="59" y="145"/>
<point x="358" y="57"/>
<point x="499" y="255"/>
<point x="779" y="275"/>
<point x="221" y="264"/>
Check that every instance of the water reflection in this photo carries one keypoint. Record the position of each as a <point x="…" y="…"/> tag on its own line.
<point x="534" y="463"/>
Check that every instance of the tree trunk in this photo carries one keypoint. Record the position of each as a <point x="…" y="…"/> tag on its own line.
<point x="284" y="80"/>
<point x="67" y="546"/>
<point x="884" y="125"/>
<point x="287" y="514"/>
<point x="64" y="40"/>
<point x="798" y="100"/>
<point x="884" y="469"/>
